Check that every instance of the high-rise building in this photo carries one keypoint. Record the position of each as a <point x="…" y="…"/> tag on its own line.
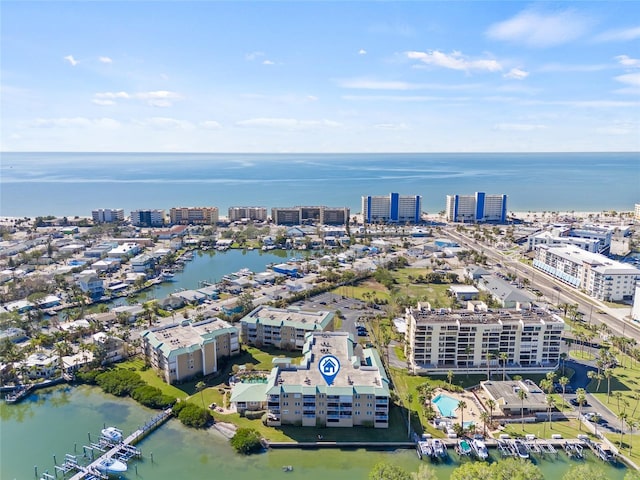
<point x="147" y="218"/>
<point x="194" y="215"/>
<point x="107" y="215"/>
<point x="247" y="213"/>
<point x="476" y="208"/>
<point x="310" y="215"/>
<point x="393" y="208"/>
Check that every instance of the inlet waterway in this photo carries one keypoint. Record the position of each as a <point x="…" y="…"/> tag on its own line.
<point x="58" y="420"/>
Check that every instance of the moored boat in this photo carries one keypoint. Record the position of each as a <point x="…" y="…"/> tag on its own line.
<point x="480" y="449"/>
<point x="111" y="466"/>
<point x="439" y="448"/>
<point x="112" y="434"/>
<point x="521" y="449"/>
<point x="463" y="447"/>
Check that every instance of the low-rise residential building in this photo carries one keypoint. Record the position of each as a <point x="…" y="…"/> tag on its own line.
<point x="358" y="394"/>
<point x="597" y="275"/>
<point x="142" y="263"/>
<point x="283" y="328"/>
<point x="181" y="351"/>
<point x="464" y="292"/>
<point x="472" y="339"/>
<point x="90" y="283"/>
<point x="125" y="250"/>
<point x="194" y="215"/>
<point x="506" y="294"/>
<point x="41" y="365"/>
<point x="107" y="215"/>
<point x="508" y="401"/>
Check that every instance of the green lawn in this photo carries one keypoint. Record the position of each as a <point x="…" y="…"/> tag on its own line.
<point x="568" y="429"/>
<point x="151" y="378"/>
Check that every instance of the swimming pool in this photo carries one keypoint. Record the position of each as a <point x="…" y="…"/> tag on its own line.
<point x="447" y="405"/>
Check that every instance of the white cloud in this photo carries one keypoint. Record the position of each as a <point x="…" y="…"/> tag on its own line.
<point x="210" y="124"/>
<point x="74" y="122"/>
<point x="516" y="74"/>
<point x="518" y="127"/>
<point x="373" y="84"/>
<point x="72" y="61"/>
<point x="560" y="67"/>
<point x="158" y="98"/>
<point x="454" y="61"/>
<point x="627" y="61"/>
<point x="391" y="126"/>
<point x="105" y="60"/>
<point x="268" y="62"/>
<point x="632" y="79"/>
<point x="621" y="35"/>
<point x="400" y="98"/>
<point x="286" y="123"/>
<point x="538" y="29"/>
<point x="253" y="56"/>
<point x="362" y="51"/>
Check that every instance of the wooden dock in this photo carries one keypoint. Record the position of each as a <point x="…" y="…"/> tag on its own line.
<point x="124" y="450"/>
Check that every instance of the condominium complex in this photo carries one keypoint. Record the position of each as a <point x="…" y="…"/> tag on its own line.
<point x="472" y="339"/>
<point x="147" y="218"/>
<point x="476" y="208"/>
<point x="107" y="215"/>
<point x="597" y="275"/>
<point x="393" y="208"/>
<point x="237" y="214"/>
<point x="283" y="328"/>
<point x="357" y="396"/>
<point x="310" y="215"/>
<point x="592" y="238"/>
<point x="184" y="350"/>
<point x="193" y="215"/>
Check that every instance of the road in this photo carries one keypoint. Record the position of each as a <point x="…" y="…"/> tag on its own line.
<point x="556" y="292"/>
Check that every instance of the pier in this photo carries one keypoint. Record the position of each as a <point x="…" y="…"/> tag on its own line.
<point x="123" y="451"/>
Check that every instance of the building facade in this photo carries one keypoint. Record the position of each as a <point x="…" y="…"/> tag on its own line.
<point x="358" y="395"/>
<point x="393" y="208"/>
<point x="193" y="215"/>
<point x="310" y="215"/>
<point x="479" y="207"/>
<point x="472" y="339"/>
<point x="147" y="218"/>
<point x="181" y="351"/>
<point x="237" y="214"/>
<point x="599" y="276"/>
<point x="284" y="328"/>
<point x="107" y="215"/>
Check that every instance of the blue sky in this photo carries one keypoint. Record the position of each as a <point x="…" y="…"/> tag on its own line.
<point x="320" y="76"/>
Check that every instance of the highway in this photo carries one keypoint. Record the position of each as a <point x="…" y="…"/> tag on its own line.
<point x="556" y="292"/>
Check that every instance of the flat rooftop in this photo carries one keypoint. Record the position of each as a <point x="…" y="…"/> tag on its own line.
<point x="186" y="334"/>
<point x="290" y="317"/>
<point x="498" y="316"/>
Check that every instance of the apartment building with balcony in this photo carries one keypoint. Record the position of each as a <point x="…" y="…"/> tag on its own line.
<point x="595" y="274"/>
<point x="472" y="339"/>
<point x="147" y="218"/>
<point x="181" y="351"/>
<point x="479" y="207"/>
<point x="358" y="396"/>
<point x="301" y="215"/>
<point x="193" y="215"/>
<point x="284" y="328"/>
<point x="392" y="208"/>
<point x="107" y="215"/>
<point x="237" y="214"/>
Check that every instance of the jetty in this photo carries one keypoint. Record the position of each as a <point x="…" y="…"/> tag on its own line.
<point x="122" y="451"/>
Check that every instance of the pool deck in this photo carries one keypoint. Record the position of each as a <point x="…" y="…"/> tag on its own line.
<point x="471" y="413"/>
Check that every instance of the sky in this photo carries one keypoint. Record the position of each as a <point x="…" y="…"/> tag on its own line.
<point x="359" y="76"/>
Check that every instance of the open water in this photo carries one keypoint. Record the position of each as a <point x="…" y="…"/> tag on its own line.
<point x="58" y="420"/>
<point x="75" y="183"/>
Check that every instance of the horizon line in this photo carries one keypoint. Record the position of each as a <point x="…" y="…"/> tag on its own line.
<point x="322" y="153"/>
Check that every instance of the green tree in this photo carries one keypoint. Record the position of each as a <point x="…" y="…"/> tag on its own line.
<point x="200" y="387"/>
<point x="462" y="405"/>
<point x="450" y="377"/>
<point x="522" y="395"/>
<point x="581" y="397"/>
<point x="585" y="471"/>
<point x="514" y="469"/>
<point x="388" y="471"/>
<point x="470" y="471"/>
<point x="246" y="440"/>
<point x="563" y="381"/>
<point x="425" y="472"/>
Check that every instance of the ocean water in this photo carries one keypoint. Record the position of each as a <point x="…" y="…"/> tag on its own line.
<point x="75" y="183"/>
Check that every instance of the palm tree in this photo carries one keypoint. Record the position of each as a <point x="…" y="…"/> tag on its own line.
<point x="563" y="357"/>
<point x="450" y="377"/>
<point x="504" y="356"/>
<point x="200" y="386"/>
<point x="551" y="402"/>
<point x="484" y="416"/>
<point x="623" y="417"/>
<point x="607" y="375"/>
<point x="409" y="399"/>
<point x="522" y="395"/>
<point x="491" y="404"/>
<point x="581" y="397"/>
<point x="462" y="405"/>
<point x="595" y="418"/>
<point x="563" y="381"/>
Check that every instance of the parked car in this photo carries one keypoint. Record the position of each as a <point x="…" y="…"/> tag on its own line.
<point x="574" y="402"/>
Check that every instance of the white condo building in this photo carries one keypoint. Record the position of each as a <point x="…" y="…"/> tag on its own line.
<point x="147" y="218"/>
<point x="107" y="215"/>
<point x="247" y="213"/>
<point x="479" y="207"/>
<point x="393" y="208"/>
<point x="472" y="339"/>
<point x="597" y="275"/>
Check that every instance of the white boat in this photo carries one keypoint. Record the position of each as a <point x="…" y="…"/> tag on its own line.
<point x="521" y="449"/>
<point x="604" y="452"/>
<point x="112" y="434"/>
<point x="111" y="466"/>
<point x="463" y="447"/>
<point x="166" y="275"/>
<point x="425" y="448"/>
<point x="439" y="448"/>
<point x="480" y="449"/>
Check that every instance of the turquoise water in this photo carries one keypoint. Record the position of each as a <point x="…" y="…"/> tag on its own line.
<point x="55" y="421"/>
<point x="534" y="181"/>
<point x="446" y="404"/>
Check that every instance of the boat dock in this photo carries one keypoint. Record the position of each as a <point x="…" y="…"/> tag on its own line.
<point x="122" y="451"/>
